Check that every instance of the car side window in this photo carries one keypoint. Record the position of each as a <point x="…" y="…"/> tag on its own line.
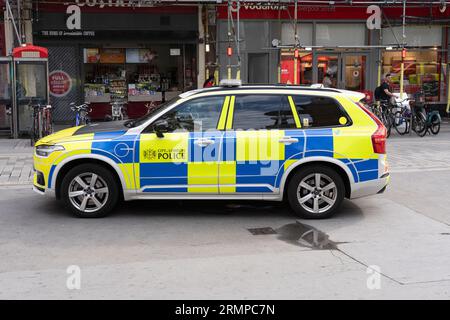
<point x="315" y="111"/>
<point x="261" y="111"/>
<point x="200" y="114"/>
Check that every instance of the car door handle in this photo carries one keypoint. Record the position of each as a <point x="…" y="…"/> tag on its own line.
<point x="204" y="142"/>
<point x="288" y="140"/>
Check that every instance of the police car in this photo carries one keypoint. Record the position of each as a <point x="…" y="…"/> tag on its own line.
<point x="310" y="146"/>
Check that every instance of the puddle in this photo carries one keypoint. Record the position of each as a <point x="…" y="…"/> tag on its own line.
<point x="261" y="231"/>
<point x="306" y="236"/>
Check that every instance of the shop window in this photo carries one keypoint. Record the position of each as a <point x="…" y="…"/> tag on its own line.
<point x="422" y="71"/>
<point x="340" y="34"/>
<point x="5" y="91"/>
<point x="140" y="77"/>
<point x="304" y="33"/>
<point x="304" y="67"/>
<point x="260" y="112"/>
<point x="196" y="115"/>
<point x="415" y="35"/>
<point x="319" y="111"/>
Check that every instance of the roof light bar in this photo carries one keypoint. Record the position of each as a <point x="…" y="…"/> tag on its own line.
<point x="230" y="83"/>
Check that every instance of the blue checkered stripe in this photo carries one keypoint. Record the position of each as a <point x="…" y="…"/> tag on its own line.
<point x="160" y="177"/>
<point x="115" y="145"/>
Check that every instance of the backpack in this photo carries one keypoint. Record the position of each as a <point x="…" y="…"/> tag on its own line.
<point x="377" y="93"/>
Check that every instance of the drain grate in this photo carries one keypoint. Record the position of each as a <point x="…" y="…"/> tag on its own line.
<point x="261" y="231"/>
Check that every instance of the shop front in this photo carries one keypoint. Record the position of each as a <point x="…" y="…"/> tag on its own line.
<point x="335" y="48"/>
<point x="138" y="57"/>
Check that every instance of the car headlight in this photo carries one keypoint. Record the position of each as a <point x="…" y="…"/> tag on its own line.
<point x="44" y="150"/>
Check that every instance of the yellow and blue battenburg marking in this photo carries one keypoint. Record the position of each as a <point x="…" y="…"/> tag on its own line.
<point x="219" y="161"/>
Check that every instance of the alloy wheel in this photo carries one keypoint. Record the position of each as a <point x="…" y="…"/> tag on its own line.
<point x="88" y="192"/>
<point x="317" y="193"/>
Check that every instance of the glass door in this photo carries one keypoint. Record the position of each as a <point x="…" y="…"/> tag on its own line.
<point x="328" y="68"/>
<point x="354" y="71"/>
<point x="5" y="94"/>
<point x="341" y="70"/>
<point x="31" y="89"/>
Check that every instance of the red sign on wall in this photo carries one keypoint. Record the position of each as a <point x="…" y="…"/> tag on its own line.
<point x="60" y="83"/>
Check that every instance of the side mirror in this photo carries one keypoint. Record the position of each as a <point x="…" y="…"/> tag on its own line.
<point x="161" y="126"/>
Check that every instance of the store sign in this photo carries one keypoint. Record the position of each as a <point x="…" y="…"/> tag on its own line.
<point x="263" y="6"/>
<point x="116" y="3"/>
<point x="73" y="21"/>
<point x="60" y="83"/>
<point x="374" y="20"/>
<point x="65" y="33"/>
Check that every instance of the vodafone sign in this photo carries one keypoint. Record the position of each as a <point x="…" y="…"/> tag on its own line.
<point x="60" y="83"/>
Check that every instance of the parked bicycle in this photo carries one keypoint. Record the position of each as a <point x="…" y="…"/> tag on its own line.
<point x="41" y="124"/>
<point x="433" y="118"/>
<point x="383" y="110"/>
<point x="81" y="113"/>
<point x="406" y="116"/>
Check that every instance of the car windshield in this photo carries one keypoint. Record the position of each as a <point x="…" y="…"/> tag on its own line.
<point x="137" y="122"/>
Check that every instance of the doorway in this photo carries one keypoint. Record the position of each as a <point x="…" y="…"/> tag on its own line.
<point x="5" y="96"/>
<point x="258" y="68"/>
<point x="343" y="70"/>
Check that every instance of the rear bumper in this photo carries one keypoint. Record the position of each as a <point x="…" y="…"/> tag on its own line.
<point x="368" y="188"/>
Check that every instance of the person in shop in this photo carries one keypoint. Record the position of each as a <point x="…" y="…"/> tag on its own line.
<point x="327" y="82"/>
<point x="209" y="82"/>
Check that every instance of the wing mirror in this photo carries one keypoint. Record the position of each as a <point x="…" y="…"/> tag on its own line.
<point x="160" y="127"/>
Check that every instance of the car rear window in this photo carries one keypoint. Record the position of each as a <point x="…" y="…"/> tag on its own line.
<point x="316" y="111"/>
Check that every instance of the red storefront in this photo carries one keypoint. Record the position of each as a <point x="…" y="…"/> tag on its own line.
<point x="335" y="46"/>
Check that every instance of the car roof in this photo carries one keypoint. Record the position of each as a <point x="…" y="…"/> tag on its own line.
<point x="266" y="87"/>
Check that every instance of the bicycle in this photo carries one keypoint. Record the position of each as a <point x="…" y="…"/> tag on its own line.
<point x="81" y="115"/>
<point x="383" y="111"/>
<point x="433" y="118"/>
<point x="41" y="124"/>
<point x="406" y="117"/>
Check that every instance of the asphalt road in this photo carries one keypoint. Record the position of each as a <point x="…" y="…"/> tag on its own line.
<point x="194" y="249"/>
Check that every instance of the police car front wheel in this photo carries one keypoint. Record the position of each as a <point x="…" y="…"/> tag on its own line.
<point x="316" y="192"/>
<point x="90" y="191"/>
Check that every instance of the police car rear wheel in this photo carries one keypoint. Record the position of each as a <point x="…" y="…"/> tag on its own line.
<point x="90" y="191"/>
<point x="316" y="192"/>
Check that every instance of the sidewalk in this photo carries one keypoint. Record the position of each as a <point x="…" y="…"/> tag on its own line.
<point x="16" y="162"/>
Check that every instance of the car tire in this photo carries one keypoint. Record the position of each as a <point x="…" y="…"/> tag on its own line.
<point x="87" y="198"/>
<point x="318" y="202"/>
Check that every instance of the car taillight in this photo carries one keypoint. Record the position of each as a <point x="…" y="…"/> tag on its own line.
<point x="379" y="136"/>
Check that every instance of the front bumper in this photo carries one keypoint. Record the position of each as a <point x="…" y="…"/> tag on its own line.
<point x="41" y="189"/>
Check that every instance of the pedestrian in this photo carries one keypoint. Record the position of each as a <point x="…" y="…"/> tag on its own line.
<point x="383" y="92"/>
<point x="327" y="83"/>
<point x="209" y="82"/>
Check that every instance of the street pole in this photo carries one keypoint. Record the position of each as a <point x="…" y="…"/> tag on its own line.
<point x="448" y="90"/>
<point x="201" y="48"/>
<point x="296" y="44"/>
